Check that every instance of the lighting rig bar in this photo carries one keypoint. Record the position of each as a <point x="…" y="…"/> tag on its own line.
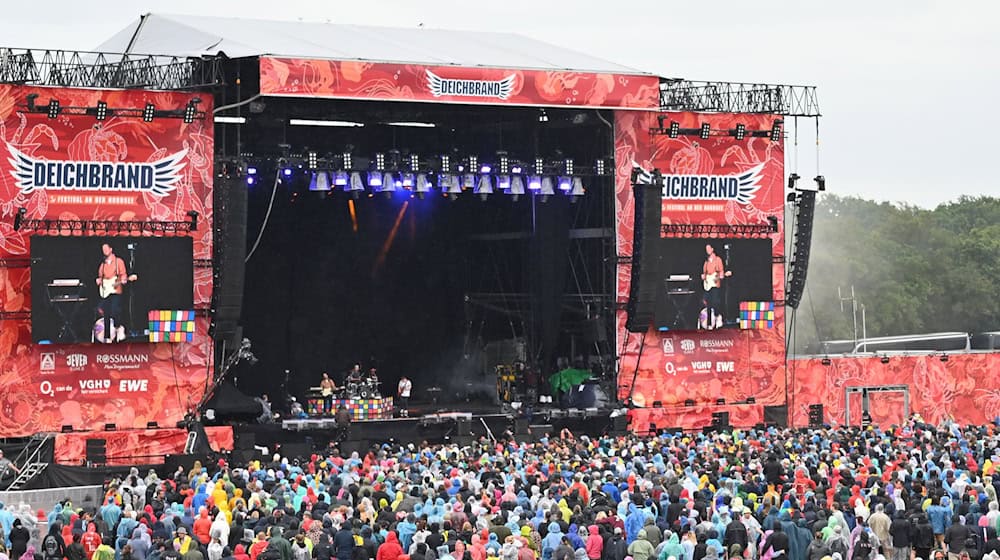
<point x="737" y="97"/>
<point x="109" y="70"/>
<point x="438" y="164"/>
<point x="101" y="111"/>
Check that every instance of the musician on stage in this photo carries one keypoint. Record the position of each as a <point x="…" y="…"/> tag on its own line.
<point x="327" y="387"/>
<point x="403" y="391"/>
<point x="354" y="375"/>
<point x="111" y="278"/>
<point x="713" y="272"/>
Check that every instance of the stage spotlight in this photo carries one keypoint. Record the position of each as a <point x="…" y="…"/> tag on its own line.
<point x="149" y="112"/>
<point x="568" y="166"/>
<point x="503" y="163"/>
<point x="944" y="357"/>
<point x="503" y="182"/>
<point x="820" y="182"/>
<point x="287" y="172"/>
<point x="793" y="180"/>
<point x="565" y="183"/>
<point x="547" y="190"/>
<point x="379" y="162"/>
<point x="468" y="181"/>
<point x="776" y="131"/>
<point x="675" y="129"/>
<point x="720" y="401"/>
<point x="341" y="178"/>
<point x="473" y="163"/>
<point x="543" y="116"/>
<point x="485" y="169"/>
<point x="193" y="216"/>
<point x="577" y="191"/>
<point x="826" y="361"/>
<point x="422" y="186"/>
<point x="388" y="185"/>
<point x="516" y="187"/>
<point x="312" y="159"/>
<point x="539" y="166"/>
<point x="320" y="182"/>
<point x="485" y="187"/>
<point x="688" y="402"/>
<point x="740" y="132"/>
<point x="374" y="179"/>
<point x="102" y="110"/>
<point x="885" y="359"/>
<point x="348" y="161"/>
<point x="516" y="169"/>
<point x="251" y="170"/>
<point x="19" y="217"/>
<point x="407" y="181"/>
<point x="190" y="110"/>
<point x="53" y="108"/>
<point x="251" y="180"/>
<point x="355" y="186"/>
<point x="534" y="183"/>
<point x="751" y="400"/>
<point x="600" y="166"/>
<point x="706" y="131"/>
<point x="445" y="164"/>
<point x="453" y="188"/>
<point x="414" y="163"/>
<point x="792" y="197"/>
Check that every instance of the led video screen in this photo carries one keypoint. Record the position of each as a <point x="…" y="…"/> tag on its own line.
<point x="705" y="279"/>
<point x="101" y="289"/>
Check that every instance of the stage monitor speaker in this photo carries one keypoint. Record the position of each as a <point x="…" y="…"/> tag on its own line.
<point x="720" y="420"/>
<point x="96" y="451"/>
<point x="776" y="416"/>
<point x="230" y="223"/>
<point x="816" y="416"/>
<point x="805" y="208"/>
<point x="645" y="278"/>
<point x="619" y="424"/>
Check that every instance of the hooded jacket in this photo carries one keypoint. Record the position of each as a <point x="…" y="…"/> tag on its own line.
<point x="641" y="548"/>
<point x="595" y="543"/>
<point x="390" y="549"/>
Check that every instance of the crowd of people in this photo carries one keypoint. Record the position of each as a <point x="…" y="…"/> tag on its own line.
<point x="910" y="491"/>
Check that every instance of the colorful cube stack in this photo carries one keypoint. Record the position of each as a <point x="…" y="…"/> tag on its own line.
<point x="756" y="314"/>
<point x="171" y="325"/>
<point x="367" y="409"/>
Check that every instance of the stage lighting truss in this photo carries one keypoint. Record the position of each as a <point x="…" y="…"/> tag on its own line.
<point x="731" y="230"/>
<point x="101" y="111"/>
<point x="705" y="131"/>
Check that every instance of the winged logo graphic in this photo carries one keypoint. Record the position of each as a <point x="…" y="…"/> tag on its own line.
<point x="748" y="183"/>
<point x="501" y="89"/>
<point x="740" y="187"/>
<point x="159" y="177"/>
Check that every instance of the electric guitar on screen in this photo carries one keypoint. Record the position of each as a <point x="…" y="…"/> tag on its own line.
<point x="712" y="279"/>
<point x="111" y="286"/>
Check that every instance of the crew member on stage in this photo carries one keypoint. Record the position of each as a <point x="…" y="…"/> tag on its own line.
<point x="712" y="272"/>
<point x="111" y="277"/>
<point x="327" y="387"/>
<point x="343" y="422"/>
<point x="403" y="391"/>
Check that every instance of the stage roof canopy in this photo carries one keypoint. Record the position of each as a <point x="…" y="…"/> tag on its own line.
<point x="183" y="35"/>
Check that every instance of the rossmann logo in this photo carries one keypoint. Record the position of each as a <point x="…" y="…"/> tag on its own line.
<point x="157" y="177"/>
<point x="500" y="89"/>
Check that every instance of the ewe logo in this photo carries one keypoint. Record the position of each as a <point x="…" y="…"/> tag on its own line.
<point x="158" y="178"/>
<point x="501" y="89"/>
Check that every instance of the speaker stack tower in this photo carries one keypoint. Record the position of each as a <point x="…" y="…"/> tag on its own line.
<point x="645" y="256"/>
<point x="230" y="223"/>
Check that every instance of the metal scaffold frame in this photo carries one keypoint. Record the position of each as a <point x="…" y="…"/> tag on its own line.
<point x="108" y="70"/>
<point x="737" y="97"/>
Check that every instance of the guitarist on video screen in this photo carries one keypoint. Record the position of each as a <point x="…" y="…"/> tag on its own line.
<point x="713" y="272"/>
<point x="111" y="278"/>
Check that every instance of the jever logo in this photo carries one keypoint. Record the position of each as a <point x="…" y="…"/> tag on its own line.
<point x="156" y="177"/>
<point x="501" y="89"/>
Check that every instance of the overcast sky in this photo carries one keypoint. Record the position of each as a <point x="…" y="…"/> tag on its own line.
<point x="908" y="89"/>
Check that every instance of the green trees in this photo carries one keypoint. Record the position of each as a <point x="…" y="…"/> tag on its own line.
<point x="914" y="270"/>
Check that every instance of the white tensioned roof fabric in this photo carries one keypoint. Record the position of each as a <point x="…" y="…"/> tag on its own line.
<point x="182" y="35"/>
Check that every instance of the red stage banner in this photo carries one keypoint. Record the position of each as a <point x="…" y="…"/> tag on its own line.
<point x="718" y="181"/>
<point x="136" y="447"/>
<point x="964" y="388"/>
<point x="73" y="167"/>
<point x="452" y="84"/>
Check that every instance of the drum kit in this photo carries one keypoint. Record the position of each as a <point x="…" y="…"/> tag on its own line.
<point x="366" y="389"/>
